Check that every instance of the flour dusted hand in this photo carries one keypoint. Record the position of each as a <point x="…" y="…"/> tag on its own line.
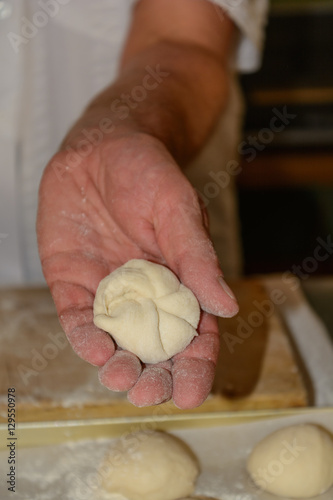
<point x="147" y="310"/>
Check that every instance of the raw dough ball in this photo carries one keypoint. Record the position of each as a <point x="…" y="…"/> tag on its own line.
<point x="296" y="462"/>
<point x="146" y="310"/>
<point x="150" y="466"/>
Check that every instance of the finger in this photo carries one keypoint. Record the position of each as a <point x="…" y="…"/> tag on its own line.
<point x="191" y="255"/>
<point x="74" y="304"/>
<point x="121" y="372"/>
<point x="88" y="341"/>
<point x="193" y="379"/>
<point x="153" y="387"/>
<point x="193" y="369"/>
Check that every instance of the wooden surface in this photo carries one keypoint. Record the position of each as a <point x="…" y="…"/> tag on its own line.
<point x="257" y="369"/>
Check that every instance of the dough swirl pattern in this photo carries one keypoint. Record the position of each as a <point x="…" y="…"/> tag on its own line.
<point x="147" y="311"/>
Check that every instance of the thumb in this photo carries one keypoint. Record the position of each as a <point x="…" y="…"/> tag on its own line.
<point x="189" y="252"/>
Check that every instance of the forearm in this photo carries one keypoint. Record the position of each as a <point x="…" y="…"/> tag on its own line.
<point x="183" y="108"/>
<point x="171" y="91"/>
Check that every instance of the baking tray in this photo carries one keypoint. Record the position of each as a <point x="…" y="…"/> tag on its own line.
<point x="60" y="459"/>
<point x="50" y="432"/>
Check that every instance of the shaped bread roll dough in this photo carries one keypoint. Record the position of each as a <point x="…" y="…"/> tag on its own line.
<point x="149" y="466"/>
<point x="295" y="461"/>
<point x="146" y="310"/>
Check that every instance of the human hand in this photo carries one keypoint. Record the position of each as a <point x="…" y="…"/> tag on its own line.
<point x="128" y="199"/>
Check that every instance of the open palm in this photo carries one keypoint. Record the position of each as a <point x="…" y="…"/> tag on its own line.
<point x="128" y="199"/>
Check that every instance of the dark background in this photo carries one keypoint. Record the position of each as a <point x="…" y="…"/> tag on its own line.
<point x="286" y="192"/>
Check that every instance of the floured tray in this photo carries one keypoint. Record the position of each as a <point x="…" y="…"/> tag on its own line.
<point x="258" y="366"/>
<point x="222" y="443"/>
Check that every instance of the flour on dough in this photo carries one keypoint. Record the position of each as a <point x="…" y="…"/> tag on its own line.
<point x="149" y="466"/>
<point x="147" y="310"/>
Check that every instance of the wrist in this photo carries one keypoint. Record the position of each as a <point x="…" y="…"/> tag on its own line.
<point x="169" y="102"/>
<point x="185" y="106"/>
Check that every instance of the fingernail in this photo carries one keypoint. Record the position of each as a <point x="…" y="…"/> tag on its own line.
<point x="226" y="288"/>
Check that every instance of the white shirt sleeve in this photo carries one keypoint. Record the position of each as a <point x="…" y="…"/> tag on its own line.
<point x="250" y="16"/>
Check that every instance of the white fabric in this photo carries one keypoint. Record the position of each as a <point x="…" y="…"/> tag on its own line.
<point x="49" y="73"/>
<point x="250" y="16"/>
